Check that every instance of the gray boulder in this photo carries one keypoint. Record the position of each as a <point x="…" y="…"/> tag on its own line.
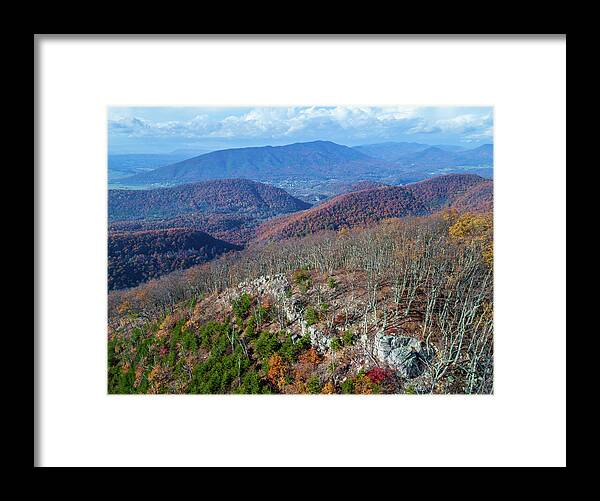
<point x="318" y="340"/>
<point x="404" y="354"/>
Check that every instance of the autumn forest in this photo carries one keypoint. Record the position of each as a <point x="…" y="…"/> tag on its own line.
<point x="316" y="269"/>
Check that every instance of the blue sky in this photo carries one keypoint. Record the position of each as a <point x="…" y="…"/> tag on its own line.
<point x="165" y="129"/>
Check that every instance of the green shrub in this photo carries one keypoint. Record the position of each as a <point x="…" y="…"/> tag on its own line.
<point x="302" y="278"/>
<point x="250" y="330"/>
<point x="210" y="332"/>
<point x="175" y="335"/>
<point x="336" y="344"/>
<point x="331" y="283"/>
<point x="120" y="381"/>
<point x="262" y="314"/>
<point x="189" y="341"/>
<point x="313" y="385"/>
<point x="266" y="345"/>
<point x="348" y="386"/>
<point x="300" y="275"/>
<point x="251" y="383"/>
<point x="311" y="315"/>
<point x="144" y="348"/>
<point x="348" y="338"/>
<point x="219" y="373"/>
<point x="241" y="305"/>
<point x="289" y="350"/>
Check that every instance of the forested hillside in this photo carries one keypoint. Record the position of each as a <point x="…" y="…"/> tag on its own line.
<point x="478" y="198"/>
<point x="229" y="196"/>
<point x="228" y="210"/>
<point x="463" y="191"/>
<point x="447" y="191"/>
<point x="401" y="306"/>
<point x="238" y="212"/>
<point x="235" y="229"/>
<point x="134" y="257"/>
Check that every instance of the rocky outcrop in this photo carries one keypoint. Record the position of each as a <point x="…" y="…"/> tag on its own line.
<point x="318" y="340"/>
<point x="276" y="286"/>
<point x="406" y="355"/>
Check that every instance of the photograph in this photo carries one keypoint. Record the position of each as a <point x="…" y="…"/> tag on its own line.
<point x="300" y="250"/>
<point x="249" y="245"/>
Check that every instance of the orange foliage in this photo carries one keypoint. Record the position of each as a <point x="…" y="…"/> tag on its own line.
<point x="307" y="362"/>
<point x="310" y="356"/>
<point x="139" y="371"/>
<point x="363" y="385"/>
<point x="277" y="371"/>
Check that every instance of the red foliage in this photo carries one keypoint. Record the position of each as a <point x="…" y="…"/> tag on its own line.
<point x="377" y="375"/>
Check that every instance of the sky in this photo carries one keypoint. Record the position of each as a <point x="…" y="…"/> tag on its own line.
<point x="168" y="129"/>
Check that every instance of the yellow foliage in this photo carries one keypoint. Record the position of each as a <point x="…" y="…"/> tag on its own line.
<point x="343" y="232"/>
<point x="478" y="228"/>
<point x="166" y="326"/>
<point x="449" y="215"/>
<point x="297" y="387"/>
<point x="488" y="254"/>
<point x="124" y="307"/>
<point x="328" y="389"/>
<point x="154" y="372"/>
<point x="472" y="226"/>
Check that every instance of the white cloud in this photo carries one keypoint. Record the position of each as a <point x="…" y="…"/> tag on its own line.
<point x="469" y="126"/>
<point x="299" y="122"/>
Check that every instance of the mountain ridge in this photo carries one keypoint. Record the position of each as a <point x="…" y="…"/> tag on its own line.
<point x="395" y="150"/>
<point x="309" y="159"/>
<point x="231" y="196"/>
<point x="367" y="206"/>
<point x="137" y="256"/>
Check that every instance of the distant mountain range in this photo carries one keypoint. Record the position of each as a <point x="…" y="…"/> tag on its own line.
<point x="465" y="192"/>
<point x="124" y="165"/>
<point x="394" y="163"/>
<point x="392" y="151"/>
<point x="318" y="159"/>
<point x="437" y="157"/>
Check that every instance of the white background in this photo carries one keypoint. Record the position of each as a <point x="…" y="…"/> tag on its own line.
<point x="523" y="423"/>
